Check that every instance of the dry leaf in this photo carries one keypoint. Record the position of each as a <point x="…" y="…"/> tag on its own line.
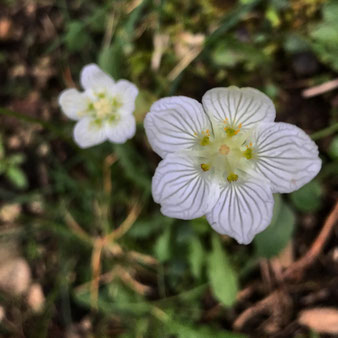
<point x="321" y="320"/>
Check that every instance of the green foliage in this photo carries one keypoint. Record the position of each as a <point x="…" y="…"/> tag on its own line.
<point x="162" y="245"/>
<point x="222" y="276"/>
<point x="274" y="239"/>
<point x="77" y="37"/>
<point x="197" y="257"/>
<point x="333" y="149"/>
<point x="325" y="37"/>
<point x="10" y="167"/>
<point x="308" y="198"/>
<point x="231" y="52"/>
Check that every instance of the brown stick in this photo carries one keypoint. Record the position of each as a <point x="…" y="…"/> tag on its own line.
<point x="316" y="248"/>
<point x="321" y="89"/>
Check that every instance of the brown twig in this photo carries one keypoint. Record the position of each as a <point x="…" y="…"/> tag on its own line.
<point x="301" y="264"/>
<point x="259" y="307"/>
<point x="320" y="89"/>
<point x="295" y="269"/>
<point x="126" y="224"/>
<point x="96" y="271"/>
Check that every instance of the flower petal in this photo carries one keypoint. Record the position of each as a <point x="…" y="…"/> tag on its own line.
<point x="182" y="188"/>
<point x="87" y="133"/>
<point x="127" y="93"/>
<point x="93" y="77"/>
<point x="244" y="209"/>
<point x="245" y="106"/>
<point x="173" y="124"/>
<point x="122" y="130"/>
<point x="73" y="103"/>
<point x="285" y="155"/>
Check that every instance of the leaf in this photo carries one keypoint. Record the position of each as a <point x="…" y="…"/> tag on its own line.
<point x="196" y="257"/>
<point x="17" y="177"/>
<point x="145" y="227"/>
<point x="222" y="277"/>
<point x="308" y="198"/>
<point x="276" y="236"/>
<point x="162" y="246"/>
<point x="118" y="307"/>
<point x="333" y="149"/>
<point x="134" y="165"/>
<point x="110" y="59"/>
<point x="76" y="37"/>
<point x="183" y="330"/>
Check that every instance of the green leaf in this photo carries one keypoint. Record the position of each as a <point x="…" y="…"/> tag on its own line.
<point x="274" y="239"/>
<point x="2" y="148"/>
<point x="184" y="330"/>
<point x="196" y="257"/>
<point x="308" y="198"/>
<point x="333" y="149"/>
<point x="162" y="246"/>
<point x="222" y="277"/>
<point x="134" y="165"/>
<point x="76" y="37"/>
<point x="17" y="177"/>
<point x="110" y="59"/>
<point x="16" y="159"/>
<point x="146" y="227"/>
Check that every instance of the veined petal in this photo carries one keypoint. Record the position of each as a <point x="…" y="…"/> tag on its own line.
<point x="182" y="188"/>
<point x="122" y="130"/>
<point x="73" y="103"/>
<point x="87" y="133"/>
<point x="93" y="77"/>
<point x="173" y="124"/>
<point x="244" y="209"/>
<point x="126" y="93"/>
<point x="285" y="155"/>
<point x="238" y="106"/>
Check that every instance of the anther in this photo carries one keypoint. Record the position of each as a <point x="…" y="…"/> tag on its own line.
<point x="232" y="177"/>
<point x="205" y="166"/>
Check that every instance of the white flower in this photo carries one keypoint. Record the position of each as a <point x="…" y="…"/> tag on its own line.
<point x="225" y="158"/>
<point x="103" y="111"/>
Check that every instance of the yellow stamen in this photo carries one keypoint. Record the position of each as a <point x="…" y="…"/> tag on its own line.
<point x="205" y="166"/>
<point x="232" y="177"/>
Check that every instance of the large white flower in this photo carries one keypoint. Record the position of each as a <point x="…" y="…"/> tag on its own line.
<point x="103" y="111"/>
<point x="225" y="158"/>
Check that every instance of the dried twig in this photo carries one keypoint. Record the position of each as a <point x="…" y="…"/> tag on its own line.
<point x="96" y="271"/>
<point x="320" y="89"/>
<point x="300" y="265"/>
<point x="126" y="224"/>
<point x="265" y="304"/>
<point x="295" y="269"/>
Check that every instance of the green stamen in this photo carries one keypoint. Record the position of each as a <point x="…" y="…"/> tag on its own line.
<point x="232" y="177"/>
<point x="205" y="166"/>
<point x="205" y="141"/>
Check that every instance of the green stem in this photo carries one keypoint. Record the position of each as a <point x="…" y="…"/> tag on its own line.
<point x="325" y="132"/>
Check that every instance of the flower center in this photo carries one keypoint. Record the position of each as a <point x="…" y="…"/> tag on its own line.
<point x="104" y="108"/>
<point x="227" y="152"/>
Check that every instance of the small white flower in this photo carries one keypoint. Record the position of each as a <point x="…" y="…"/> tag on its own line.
<point x="225" y="158"/>
<point x="103" y="111"/>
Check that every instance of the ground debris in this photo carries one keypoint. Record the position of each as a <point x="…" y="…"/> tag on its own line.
<point x="321" y="320"/>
